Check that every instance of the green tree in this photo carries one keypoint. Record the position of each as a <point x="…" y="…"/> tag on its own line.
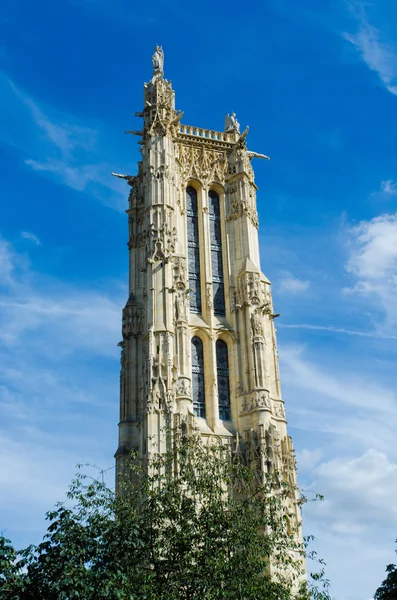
<point x="388" y="589"/>
<point x="196" y="524"/>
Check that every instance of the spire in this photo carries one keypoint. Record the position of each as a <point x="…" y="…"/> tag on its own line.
<point x="160" y="116"/>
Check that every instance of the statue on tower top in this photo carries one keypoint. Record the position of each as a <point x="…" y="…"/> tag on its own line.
<point x="231" y="123"/>
<point x="158" y="60"/>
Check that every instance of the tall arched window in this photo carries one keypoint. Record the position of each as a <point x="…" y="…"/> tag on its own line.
<point x="198" y="389"/>
<point x="222" y="368"/>
<point x="193" y="250"/>
<point x="216" y="253"/>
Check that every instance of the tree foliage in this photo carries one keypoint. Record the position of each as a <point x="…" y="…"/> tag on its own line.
<point x="193" y="524"/>
<point x="388" y="589"/>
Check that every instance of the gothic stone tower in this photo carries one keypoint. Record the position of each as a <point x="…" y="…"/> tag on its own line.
<point x="199" y="343"/>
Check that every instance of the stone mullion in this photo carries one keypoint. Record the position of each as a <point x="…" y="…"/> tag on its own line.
<point x="210" y="374"/>
<point x="249" y="346"/>
<point x="205" y="259"/>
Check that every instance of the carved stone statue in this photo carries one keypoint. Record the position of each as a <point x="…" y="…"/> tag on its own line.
<point x="257" y="323"/>
<point x="231" y="123"/>
<point x="158" y="60"/>
<point x="180" y="305"/>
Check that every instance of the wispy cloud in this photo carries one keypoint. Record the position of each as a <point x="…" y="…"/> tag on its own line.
<point x="293" y="285"/>
<point x="360" y="491"/>
<point x="332" y="329"/>
<point x="28" y="235"/>
<point x="59" y="146"/>
<point x="373" y="262"/>
<point x="308" y="459"/>
<point x="58" y="372"/>
<point x="389" y="187"/>
<point x="345" y="389"/>
<point x="7" y="262"/>
<point x="379" y="54"/>
<point x="83" y="318"/>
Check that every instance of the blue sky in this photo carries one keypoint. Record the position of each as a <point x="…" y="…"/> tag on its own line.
<point x="317" y="83"/>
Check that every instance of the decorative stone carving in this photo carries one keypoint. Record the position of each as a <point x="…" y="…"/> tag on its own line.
<point x="183" y="387"/>
<point x="137" y="240"/>
<point x="158" y="253"/>
<point x="249" y="291"/>
<point x="209" y="296"/>
<point x="162" y="242"/>
<point x="168" y="235"/>
<point x="236" y="209"/>
<point x="260" y="399"/>
<point x="206" y="165"/>
<point x="288" y="462"/>
<point x="161" y="172"/>
<point x="169" y="401"/>
<point x="180" y="276"/>
<point x="278" y="409"/>
<point x="133" y="320"/>
<point x="160" y="116"/>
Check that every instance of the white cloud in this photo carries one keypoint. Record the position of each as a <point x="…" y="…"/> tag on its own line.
<point x="293" y="285"/>
<point x="308" y="459"/>
<point x="7" y="262"/>
<point x="379" y="55"/>
<point x="28" y="235"/>
<point x="373" y="262"/>
<point x="374" y="252"/>
<point x="389" y="187"/>
<point x="361" y="490"/>
<point x="349" y="418"/>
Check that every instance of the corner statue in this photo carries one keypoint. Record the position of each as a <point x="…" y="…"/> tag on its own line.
<point x="231" y="123"/>
<point x="158" y="60"/>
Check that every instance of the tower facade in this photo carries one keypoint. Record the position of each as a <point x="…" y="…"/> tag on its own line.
<point x="199" y="341"/>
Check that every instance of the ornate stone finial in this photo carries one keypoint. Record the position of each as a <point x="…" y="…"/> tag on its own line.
<point x="158" y="61"/>
<point x="231" y="123"/>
